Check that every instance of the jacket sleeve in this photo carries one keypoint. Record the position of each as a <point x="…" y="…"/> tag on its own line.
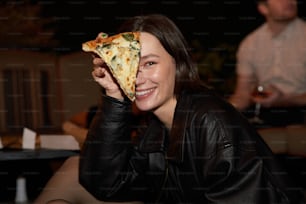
<point x="106" y="169"/>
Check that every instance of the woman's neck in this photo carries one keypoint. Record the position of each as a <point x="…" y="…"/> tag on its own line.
<point x="165" y="113"/>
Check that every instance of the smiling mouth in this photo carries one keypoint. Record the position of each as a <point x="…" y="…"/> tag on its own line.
<point x="144" y="92"/>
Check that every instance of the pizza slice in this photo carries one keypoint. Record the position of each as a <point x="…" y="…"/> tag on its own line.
<point x="121" y="53"/>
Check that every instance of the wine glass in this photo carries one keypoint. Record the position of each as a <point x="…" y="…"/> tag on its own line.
<point x="259" y="92"/>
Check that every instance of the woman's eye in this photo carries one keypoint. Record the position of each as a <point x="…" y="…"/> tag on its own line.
<point x="149" y="64"/>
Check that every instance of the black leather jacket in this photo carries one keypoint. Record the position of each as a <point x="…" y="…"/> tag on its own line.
<point x="211" y="155"/>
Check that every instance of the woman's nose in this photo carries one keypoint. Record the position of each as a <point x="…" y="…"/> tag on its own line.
<point x="139" y="77"/>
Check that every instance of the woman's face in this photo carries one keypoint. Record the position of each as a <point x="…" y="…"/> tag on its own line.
<point x="156" y="76"/>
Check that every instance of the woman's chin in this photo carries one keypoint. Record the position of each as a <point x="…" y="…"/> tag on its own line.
<point x="143" y="108"/>
<point x="144" y="105"/>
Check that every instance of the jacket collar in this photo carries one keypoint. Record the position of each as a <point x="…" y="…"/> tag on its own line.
<point x="175" y="150"/>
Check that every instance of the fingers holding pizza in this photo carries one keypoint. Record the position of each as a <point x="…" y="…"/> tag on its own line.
<point x="102" y="74"/>
<point x="104" y="78"/>
<point x="99" y="68"/>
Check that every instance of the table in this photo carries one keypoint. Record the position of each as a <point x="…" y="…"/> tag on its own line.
<point x="33" y="164"/>
<point x="9" y="154"/>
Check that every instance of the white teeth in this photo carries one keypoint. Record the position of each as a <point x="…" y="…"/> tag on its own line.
<point x="141" y="93"/>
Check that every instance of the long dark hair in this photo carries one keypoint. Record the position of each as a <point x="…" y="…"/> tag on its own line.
<point x="171" y="38"/>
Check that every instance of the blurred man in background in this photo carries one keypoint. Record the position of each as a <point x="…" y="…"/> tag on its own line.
<point x="274" y="57"/>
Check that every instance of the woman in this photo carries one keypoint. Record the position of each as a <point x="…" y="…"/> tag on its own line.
<point x="193" y="146"/>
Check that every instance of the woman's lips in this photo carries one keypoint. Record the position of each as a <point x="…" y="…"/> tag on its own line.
<point x="143" y="93"/>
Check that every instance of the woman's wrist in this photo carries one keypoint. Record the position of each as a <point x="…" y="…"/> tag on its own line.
<point x="115" y="94"/>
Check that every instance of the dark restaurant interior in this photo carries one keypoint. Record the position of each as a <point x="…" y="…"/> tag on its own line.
<point x="45" y="76"/>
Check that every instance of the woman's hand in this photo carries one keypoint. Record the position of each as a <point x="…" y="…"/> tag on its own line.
<point x="103" y="77"/>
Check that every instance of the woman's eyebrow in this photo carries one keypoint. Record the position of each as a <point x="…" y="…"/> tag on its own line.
<point x="149" y="56"/>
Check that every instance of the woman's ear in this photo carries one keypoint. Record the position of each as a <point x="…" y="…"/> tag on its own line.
<point x="263" y="8"/>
